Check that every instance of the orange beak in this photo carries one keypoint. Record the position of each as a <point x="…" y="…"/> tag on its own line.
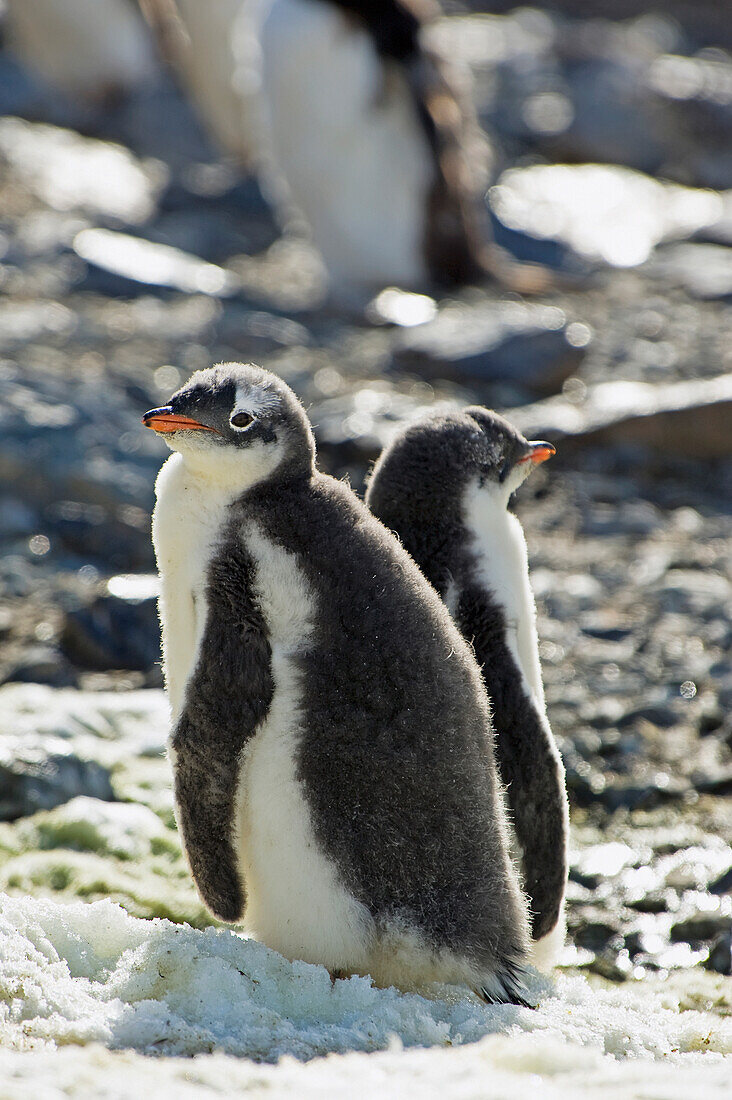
<point x="540" y="452"/>
<point x="165" y="420"/>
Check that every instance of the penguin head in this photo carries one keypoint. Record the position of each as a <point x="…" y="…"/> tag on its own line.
<point x="504" y="457"/>
<point x="237" y="423"/>
<point x="440" y="456"/>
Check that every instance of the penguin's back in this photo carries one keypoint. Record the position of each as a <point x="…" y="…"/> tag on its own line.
<point x="393" y="748"/>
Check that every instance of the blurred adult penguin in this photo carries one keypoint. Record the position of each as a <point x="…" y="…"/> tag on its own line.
<point x="443" y="486"/>
<point x="88" y="49"/>
<point x="213" y="46"/>
<point x="372" y="138"/>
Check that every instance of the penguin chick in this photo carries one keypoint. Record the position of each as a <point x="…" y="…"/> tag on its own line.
<point x="443" y="486"/>
<point x="332" y="751"/>
<point x="378" y="147"/>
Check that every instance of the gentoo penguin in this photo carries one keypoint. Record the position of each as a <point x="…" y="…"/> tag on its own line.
<point x="335" y="781"/>
<point x="89" y="49"/>
<point x="214" y="47"/>
<point x="374" y="142"/>
<point x="443" y="486"/>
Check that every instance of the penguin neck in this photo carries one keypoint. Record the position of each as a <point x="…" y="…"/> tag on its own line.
<point x="228" y="472"/>
<point x="501" y="562"/>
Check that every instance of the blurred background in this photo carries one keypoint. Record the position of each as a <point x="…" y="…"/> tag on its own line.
<point x="174" y="191"/>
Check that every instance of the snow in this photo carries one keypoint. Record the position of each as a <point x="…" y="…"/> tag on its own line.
<point x="115" y="989"/>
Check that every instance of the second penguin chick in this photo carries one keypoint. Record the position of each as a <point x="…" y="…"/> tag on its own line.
<point x="335" y="780"/>
<point x="443" y="486"/>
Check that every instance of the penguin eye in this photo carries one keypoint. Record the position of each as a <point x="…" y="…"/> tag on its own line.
<point x="241" y="420"/>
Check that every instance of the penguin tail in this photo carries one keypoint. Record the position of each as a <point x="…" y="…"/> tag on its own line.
<point x="506" y="986"/>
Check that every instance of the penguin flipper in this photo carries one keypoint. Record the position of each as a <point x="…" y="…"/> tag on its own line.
<point x="528" y="761"/>
<point x="226" y="698"/>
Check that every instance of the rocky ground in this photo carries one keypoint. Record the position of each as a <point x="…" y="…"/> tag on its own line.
<point x="120" y="274"/>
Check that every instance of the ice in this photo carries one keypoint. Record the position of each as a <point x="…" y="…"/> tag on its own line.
<point x="94" y="977"/>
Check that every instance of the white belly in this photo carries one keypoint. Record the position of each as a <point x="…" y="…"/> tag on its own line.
<point x="296" y="901"/>
<point x="348" y="142"/>
<point x="504" y="569"/>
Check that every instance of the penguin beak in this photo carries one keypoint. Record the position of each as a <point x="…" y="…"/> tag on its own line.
<point x="540" y="452"/>
<point x="165" y="420"/>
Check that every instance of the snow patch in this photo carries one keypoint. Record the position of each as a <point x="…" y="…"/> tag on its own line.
<point x="91" y="974"/>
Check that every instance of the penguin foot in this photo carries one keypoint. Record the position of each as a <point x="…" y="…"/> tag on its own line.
<point x="336" y="975"/>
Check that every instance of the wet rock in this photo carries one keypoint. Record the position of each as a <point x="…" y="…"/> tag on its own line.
<point x="704" y="270"/>
<point x="70" y="172"/>
<point x="92" y="451"/>
<point x="654" y="902"/>
<point x="593" y="928"/>
<point x="135" y="260"/>
<point x="719" y="783"/>
<point x="117" y="538"/>
<point x="682" y="419"/>
<point x="39" y="773"/>
<point x="118" y="630"/>
<point x="723" y="884"/>
<point x="720" y="955"/>
<point x="702" y="926"/>
<point x="604" y="213"/>
<point x="525" y="345"/>
<point x="41" y="665"/>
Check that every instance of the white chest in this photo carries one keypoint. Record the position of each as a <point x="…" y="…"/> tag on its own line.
<point x="346" y="137"/>
<point x="499" y="543"/>
<point x="187" y="523"/>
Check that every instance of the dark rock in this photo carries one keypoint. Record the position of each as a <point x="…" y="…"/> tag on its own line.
<point x="700" y="927"/>
<point x="43" y="774"/>
<point x="607" y="967"/>
<point x="661" y="715"/>
<point x="720" y="955"/>
<point x="720" y="783"/>
<point x="119" y="537"/>
<point x="654" y="902"/>
<point x="592" y="929"/>
<point x="682" y="419"/>
<point x="526" y="346"/>
<point x="114" y="631"/>
<point x="41" y="665"/>
<point x="723" y="884"/>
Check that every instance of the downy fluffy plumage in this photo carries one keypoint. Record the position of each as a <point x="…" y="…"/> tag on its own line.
<point x="335" y="781"/>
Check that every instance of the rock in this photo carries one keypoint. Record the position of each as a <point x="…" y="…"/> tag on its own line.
<point x="723" y="884"/>
<point x="604" y="213"/>
<point x="704" y="270"/>
<point x="719" y="783"/>
<point x="118" y="630"/>
<point x="71" y="172"/>
<point x="720" y="955"/>
<point x="41" y="665"/>
<point x="524" y="345"/>
<point x="593" y="928"/>
<point x="39" y="772"/>
<point x="681" y="419"/>
<point x="702" y="926"/>
<point x="134" y="260"/>
<point x="654" y="902"/>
